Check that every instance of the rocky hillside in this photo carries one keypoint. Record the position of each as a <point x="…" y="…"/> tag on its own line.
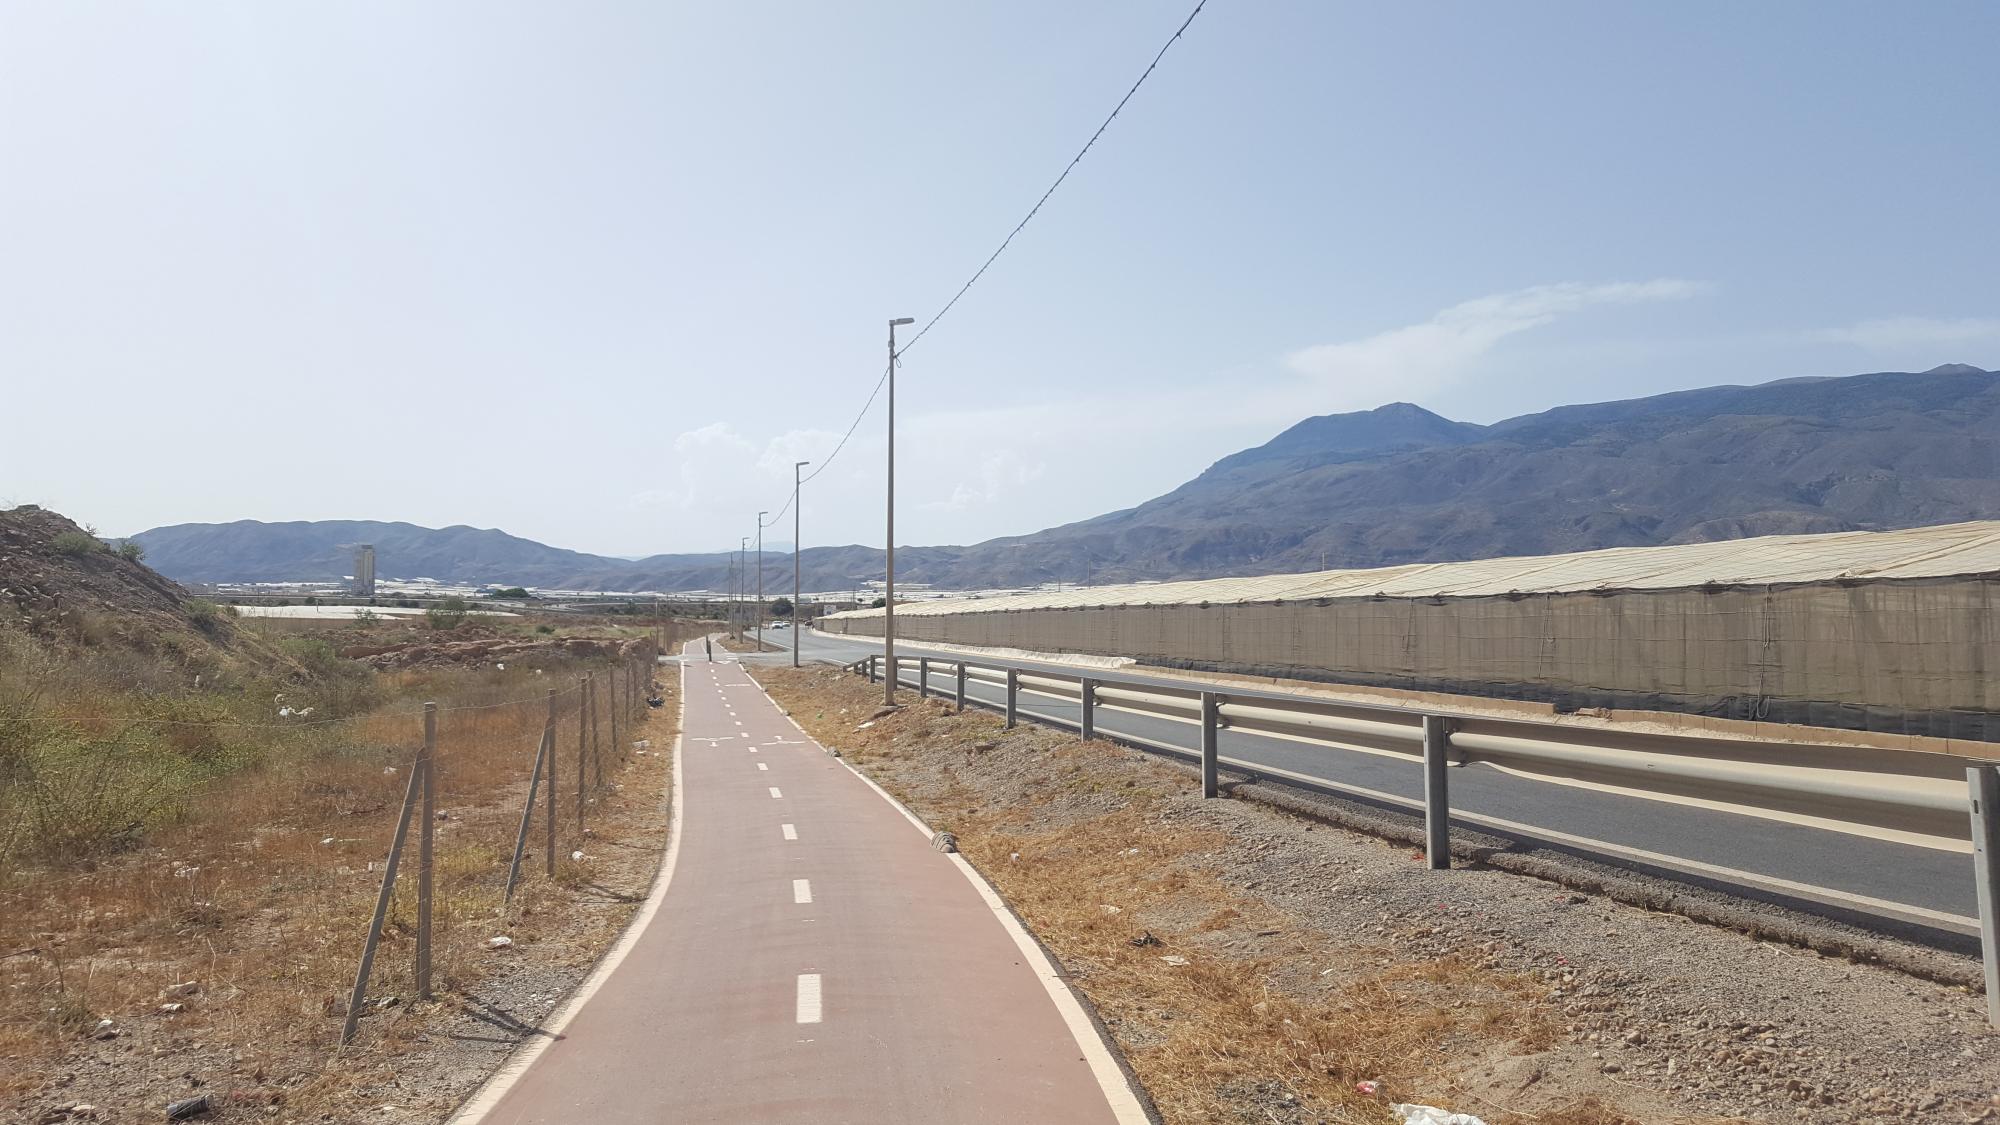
<point x="64" y="589"/>
<point x="1392" y="485"/>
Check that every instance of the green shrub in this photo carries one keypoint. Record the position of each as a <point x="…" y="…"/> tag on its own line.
<point x="76" y="544"/>
<point x="206" y="613"/>
<point x="131" y="551"/>
<point x="448" y="613"/>
<point x="545" y="630"/>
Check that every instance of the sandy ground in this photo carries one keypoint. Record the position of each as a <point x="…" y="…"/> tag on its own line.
<point x="1255" y="964"/>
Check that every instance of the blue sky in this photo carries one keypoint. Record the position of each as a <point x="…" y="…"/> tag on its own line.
<point x="598" y="273"/>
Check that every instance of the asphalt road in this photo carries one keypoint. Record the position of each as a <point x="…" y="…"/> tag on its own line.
<point x="811" y="959"/>
<point x="1855" y="875"/>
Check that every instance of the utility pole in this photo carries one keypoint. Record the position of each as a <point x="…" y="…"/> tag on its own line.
<point x="760" y="578"/>
<point x="889" y="551"/>
<point x="742" y="582"/>
<point x="796" y="466"/>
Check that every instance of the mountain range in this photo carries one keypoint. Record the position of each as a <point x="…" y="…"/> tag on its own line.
<point x="1396" y="484"/>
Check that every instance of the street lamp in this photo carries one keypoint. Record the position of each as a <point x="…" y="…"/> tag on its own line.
<point x="796" y="466"/>
<point x="760" y="579"/>
<point x="889" y="552"/>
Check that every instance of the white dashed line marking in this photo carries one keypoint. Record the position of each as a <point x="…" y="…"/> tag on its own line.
<point x="791" y="832"/>
<point x="802" y="891"/>
<point x="774" y="792"/>
<point x="762" y="766"/>
<point x="808" y="997"/>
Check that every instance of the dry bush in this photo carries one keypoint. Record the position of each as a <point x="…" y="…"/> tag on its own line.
<point x="1265" y="1011"/>
<point x="198" y="836"/>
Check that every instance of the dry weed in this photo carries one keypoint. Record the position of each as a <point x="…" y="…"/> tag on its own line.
<point x="1226" y="1008"/>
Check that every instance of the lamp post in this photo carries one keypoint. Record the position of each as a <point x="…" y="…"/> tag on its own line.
<point x="889" y="551"/>
<point x="796" y="466"/>
<point x="760" y="579"/>
<point x="742" y="581"/>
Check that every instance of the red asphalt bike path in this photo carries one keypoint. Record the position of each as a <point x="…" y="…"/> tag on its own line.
<point x="810" y="958"/>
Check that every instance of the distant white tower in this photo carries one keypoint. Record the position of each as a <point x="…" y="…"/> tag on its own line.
<point x="364" y="570"/>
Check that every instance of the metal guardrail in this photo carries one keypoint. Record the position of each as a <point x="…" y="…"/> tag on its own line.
<point x="1926" y="800"/>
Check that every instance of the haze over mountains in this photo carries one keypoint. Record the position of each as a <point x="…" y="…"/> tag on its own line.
<point x="1392" y="485"/>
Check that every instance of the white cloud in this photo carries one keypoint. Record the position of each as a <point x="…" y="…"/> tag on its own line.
<point x="1001" y="471"/>
<point x="1894" y="333"/>
<point x="1422" y="357"/>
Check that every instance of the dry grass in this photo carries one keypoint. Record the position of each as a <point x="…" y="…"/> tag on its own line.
<point x="261" y="885"/>
<point x="1267" y="1019"/>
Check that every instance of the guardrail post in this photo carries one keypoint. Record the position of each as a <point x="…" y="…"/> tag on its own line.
<point x="961" y="685"/>
<point x="874" y="672"/>
<point x="923" y="677"/>
<point x="1013" y="695"/>
<point x="1089" y="725"/>
<point x="1210" y="706"/>
<point x="1984" y="783"/>
<point x="1437" y="798"/>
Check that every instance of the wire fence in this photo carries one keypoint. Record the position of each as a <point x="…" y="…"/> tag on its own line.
<point x="252" y="861"/>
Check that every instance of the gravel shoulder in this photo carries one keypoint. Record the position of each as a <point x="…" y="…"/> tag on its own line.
<point x="1256" y="963"/>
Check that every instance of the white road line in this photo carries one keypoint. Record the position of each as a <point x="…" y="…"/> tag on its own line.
<point x="791" y="831"/>
<point x="762" y="766"/>
<point x="774" y="792"/>
<point x="808" y="997"/>
<point x="802" y="891"/>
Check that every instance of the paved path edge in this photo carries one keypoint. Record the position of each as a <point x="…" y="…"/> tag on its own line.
<point x="1121" y="1087"/>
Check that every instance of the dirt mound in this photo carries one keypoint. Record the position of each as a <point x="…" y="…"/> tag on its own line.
<point x="490" y="650"/>
<point x="64" y="586"/>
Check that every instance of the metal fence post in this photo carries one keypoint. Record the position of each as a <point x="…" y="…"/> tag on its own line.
<point x="1437" y="795"/>
<point x="1210" y="708"/>
<point x="527" y="817"/>
<point x="961" y="686"/>
<point x="874" y="673"/>
<point x="550" y="811"/>
<point x="425" y="838"/>
<point x="585" y="719"/>
<point x="1013" y="695"/>
<point x="1984" y="783"/>
<point x="360" y="993"/>
<point x="617" y="746"/>
<point x="1089" y="727"/>
<point x="923" y="677"/>
<point x="593" y="730"/>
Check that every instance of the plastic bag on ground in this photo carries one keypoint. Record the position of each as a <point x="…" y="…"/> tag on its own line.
<point x="1431" y="1115"/>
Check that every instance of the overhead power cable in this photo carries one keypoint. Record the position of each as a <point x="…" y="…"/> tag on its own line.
<point x="1067" y="169"/>
<point x="1002" y="248"/>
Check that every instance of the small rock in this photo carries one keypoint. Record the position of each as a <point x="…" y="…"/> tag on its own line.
<point x="1174" y="959"/>
<point x="173" y="1009"/>
<point x="184" y="989"/>
<point x="1145" y="939"/>
<point x="105" y="1030"/>
<point x="187" y="1108"/>
<point x="501" y="942"/>
<point x="944" y="842"/>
